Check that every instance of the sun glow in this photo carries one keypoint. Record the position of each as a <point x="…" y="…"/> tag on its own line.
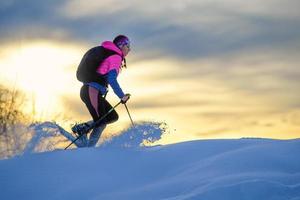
<point x="44" y="70"/>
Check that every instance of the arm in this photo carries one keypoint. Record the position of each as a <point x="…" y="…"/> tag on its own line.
<point x="112" y="81"/>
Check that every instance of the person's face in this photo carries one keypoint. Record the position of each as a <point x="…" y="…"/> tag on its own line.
<point x="125" y="49"/>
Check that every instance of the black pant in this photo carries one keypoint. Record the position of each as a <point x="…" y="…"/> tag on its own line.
<point x="97" y="105"/>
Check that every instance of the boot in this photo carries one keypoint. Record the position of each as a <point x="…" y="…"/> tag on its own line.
<point x="95" y="135"/>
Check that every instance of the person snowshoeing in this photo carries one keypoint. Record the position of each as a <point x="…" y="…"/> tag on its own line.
<point x="99" y="68"/>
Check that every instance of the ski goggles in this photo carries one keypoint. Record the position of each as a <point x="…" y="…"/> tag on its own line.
<point x="124" y="42"/>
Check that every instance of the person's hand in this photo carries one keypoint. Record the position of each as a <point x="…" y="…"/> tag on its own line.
<point x="125" y="98"/>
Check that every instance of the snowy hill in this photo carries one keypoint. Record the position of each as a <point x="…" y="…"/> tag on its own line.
<point x="251" y="169"/>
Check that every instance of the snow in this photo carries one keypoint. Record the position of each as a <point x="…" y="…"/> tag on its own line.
<point x="125" y="169"/>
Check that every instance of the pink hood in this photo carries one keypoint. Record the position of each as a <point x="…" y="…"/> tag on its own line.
<point x="111" y="46"/>
<point x="112" y="62"/>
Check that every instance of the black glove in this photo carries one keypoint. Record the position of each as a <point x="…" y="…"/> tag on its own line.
<point x="125" y="98"/>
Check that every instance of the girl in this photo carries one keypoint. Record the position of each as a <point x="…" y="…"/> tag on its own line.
<point x="94" y="90"/>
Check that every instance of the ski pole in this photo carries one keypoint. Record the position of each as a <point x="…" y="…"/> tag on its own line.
<point x="129" y="114"/>
<point x="93" y="125"/>
<point x="73" y="141"/>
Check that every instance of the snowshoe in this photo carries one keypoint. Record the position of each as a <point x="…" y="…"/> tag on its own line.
<point x="81" y="129"/>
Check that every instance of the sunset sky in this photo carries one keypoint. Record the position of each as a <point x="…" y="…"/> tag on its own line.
<point x="208" y="68"/>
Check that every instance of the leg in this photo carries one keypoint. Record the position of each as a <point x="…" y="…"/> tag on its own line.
<point x="104" y="107"/>
<point x="95" y="135"/>
<point x="89" y="96"/>
<point x="97" y="106"/>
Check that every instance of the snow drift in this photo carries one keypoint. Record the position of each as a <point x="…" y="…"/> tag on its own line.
<point x="206" y="169"/>
<point x="47" y="136"/>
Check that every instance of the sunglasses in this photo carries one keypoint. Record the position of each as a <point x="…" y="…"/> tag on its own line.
<point x="128" y="46"/>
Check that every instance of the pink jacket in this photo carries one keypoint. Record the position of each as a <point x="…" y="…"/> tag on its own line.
<point x="112" y="62"/>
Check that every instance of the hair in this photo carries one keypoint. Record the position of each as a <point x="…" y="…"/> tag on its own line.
<point x="120" y="40"/>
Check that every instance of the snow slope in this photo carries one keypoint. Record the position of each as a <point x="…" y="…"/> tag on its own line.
<point x="239" y="169"/>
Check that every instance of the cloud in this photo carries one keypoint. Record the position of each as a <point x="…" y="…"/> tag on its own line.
<point x="186" y="30"/>
<point x="91" y="8"/>
<point x="194" y="28"/>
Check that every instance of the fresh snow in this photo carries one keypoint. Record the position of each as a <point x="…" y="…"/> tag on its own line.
<point x="233" y="169"/>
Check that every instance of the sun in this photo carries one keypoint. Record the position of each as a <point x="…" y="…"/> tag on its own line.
<point x="42" y="69"/>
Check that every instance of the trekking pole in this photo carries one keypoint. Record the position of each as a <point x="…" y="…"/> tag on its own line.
<point x="93" y="125"/>
<point x="73" y="141"/>
<point x="129" y="114"/>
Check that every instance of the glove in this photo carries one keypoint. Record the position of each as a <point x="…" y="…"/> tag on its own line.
<point x="125" y="98"/>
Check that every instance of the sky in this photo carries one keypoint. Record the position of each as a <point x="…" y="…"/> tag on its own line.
<point x="208" y="68"/>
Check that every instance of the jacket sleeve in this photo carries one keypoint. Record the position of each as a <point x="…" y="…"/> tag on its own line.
<point x="112" y="81"/>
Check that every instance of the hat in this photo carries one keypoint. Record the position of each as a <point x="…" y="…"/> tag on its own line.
<point x="121" y="40"/>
